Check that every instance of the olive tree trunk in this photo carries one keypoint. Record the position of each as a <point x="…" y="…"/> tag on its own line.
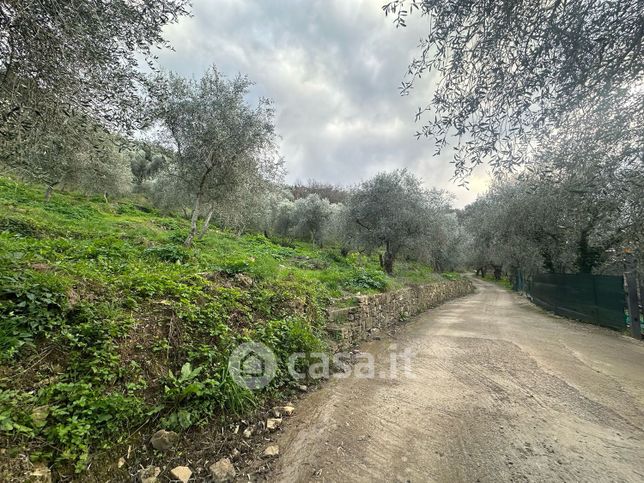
<point x="193" y="222"/>
<point x="206" y="222"/>
<point x="48" y="193"/>
<point x="387" y="260"/>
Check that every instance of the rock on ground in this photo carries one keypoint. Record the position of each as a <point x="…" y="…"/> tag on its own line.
<point x="222" y="471"/>
<point x="273" y="423"/>
<point x="287" y="410"/>
<point x="244" y="280"/>
<point x="181" y="473"/>
<point x="164" y="440"/>
<point x="271" y="451"/>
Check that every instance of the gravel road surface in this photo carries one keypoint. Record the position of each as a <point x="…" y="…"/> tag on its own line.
<point x="498" y="390"/>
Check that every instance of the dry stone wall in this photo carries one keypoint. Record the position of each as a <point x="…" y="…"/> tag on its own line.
<point x="371" y="313"/>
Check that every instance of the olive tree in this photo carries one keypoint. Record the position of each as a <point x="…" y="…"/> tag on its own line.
<point x="146" y="161"/>
<point x="283" y="218"/>
<point x="249" y="208"/>
<point x="390" y="211"/>
<point x="514" y="228"/>
<point x="571" y="214"/>
<point x="333" y="230"/>
<point x="311" y="215"/>
<point x="505" y="71"/>
<point x="578" y="204"/>
<point x="58" y="158"/>
<point x="222" y="144"/>
<point x="78" y="57"/>
<point x="595" y="161"/>
<point x="443" y="245"/>
<point x="312" y="218"/>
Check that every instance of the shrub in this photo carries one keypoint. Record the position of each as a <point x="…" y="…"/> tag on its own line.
<point x="31" y="304"/>
<point x="169" y="253"/>
<point x="368" y="279"/>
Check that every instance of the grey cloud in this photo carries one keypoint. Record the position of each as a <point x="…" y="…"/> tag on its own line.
<point x="333" y="69"/>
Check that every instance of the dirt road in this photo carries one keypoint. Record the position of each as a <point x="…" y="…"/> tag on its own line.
<point x="500" y="391"/>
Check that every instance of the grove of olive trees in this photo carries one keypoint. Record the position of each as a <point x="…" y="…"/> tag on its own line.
<point x="560" y="122"/>
<point x="150" y="230"/>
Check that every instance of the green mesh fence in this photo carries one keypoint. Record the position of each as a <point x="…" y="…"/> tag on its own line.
<point x="598" y="299"/>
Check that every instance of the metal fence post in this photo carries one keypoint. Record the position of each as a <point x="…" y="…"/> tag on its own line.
<point x="630" y="274"/>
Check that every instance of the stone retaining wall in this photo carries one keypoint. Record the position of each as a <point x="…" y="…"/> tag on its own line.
<point x="372" y="313"/>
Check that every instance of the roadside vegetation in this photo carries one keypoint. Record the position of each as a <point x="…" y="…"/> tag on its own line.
<point x="110" y="323"/>
<point x="503" y="281"/>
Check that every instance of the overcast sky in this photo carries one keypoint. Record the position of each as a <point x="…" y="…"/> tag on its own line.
<point x="333" y="68"/>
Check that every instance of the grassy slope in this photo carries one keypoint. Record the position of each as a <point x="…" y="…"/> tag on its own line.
<point x="107" y="323"/>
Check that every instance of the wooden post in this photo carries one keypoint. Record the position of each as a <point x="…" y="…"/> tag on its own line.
<point x="630" y="274"/>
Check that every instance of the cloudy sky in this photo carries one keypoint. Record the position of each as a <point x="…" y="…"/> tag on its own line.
<point x="333" y="68"/>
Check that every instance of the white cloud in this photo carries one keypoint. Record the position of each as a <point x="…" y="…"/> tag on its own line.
<point x="333" y="69"/>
